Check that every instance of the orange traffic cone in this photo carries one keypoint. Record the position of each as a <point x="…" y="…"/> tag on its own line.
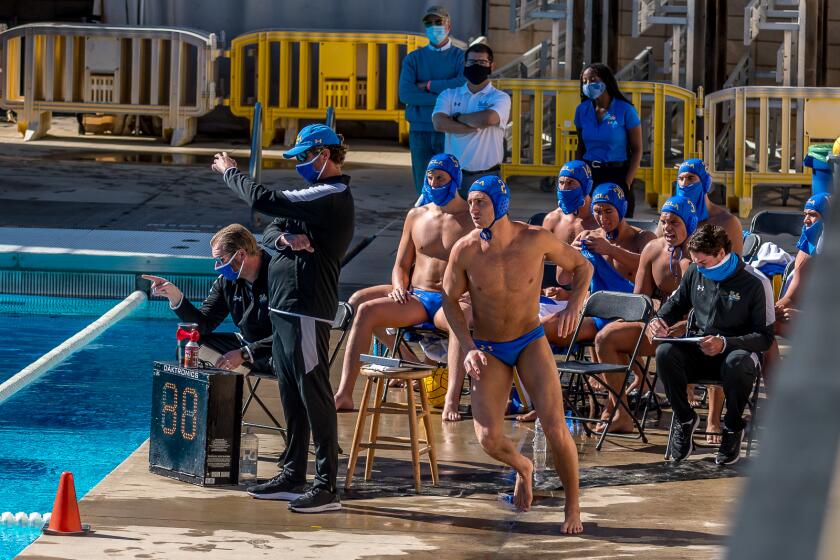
<point x="65" y="519"/>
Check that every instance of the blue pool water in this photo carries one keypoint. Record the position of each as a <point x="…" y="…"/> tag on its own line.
<point x="85" y="416"/>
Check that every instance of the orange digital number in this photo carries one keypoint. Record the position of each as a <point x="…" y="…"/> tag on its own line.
<point x="169" y="408"/>
<point x="185" y="413"/>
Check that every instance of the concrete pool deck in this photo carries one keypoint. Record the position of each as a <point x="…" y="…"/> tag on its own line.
<point x="633" y="504"/>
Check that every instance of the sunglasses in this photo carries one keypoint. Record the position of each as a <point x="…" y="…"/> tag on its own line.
<point x="301" y="158"/>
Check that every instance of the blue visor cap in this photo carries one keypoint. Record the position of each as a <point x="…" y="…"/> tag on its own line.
<point x="684" y="208"/>
<point x="579" y="171"/>
<point x="610" y="193"/>
<point x="696" y="166"/>
<point x="820" y="202"/>
<point x="448" y="163"/>
<point x="312" y="136"/>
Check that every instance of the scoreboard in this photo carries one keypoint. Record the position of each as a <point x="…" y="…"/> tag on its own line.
<point x="196" y="424"/>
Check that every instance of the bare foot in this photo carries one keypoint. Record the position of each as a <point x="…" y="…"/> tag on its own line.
<point x="522" y="492"/>
<point x="530" y="417"/>
<point x="343" y="403"/>
<point x="713" y="439"/>
<point x="572" y="525"/>
<point x="622" y="424"/>
<point x="450" y="412"/>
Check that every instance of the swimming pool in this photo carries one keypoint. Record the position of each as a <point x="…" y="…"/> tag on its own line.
<point x="87" y="414"/>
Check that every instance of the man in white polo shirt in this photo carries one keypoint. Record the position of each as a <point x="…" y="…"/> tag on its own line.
<point x="474" y="117"/>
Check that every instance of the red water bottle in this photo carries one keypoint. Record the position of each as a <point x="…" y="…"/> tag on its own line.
<point x="191" y="351"/>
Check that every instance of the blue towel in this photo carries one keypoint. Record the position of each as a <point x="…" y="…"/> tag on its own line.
<point x="772" y="269"/>
<point x="605" y="277"/>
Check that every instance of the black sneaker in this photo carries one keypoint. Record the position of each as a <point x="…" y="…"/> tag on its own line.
<point x="316" y="500"/>
<point x="730" y="447"/>
<point x="682" y="439"/>
<point x="281" y="487"/>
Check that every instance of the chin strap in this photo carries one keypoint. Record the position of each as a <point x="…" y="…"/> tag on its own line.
<point x="672" y="250"/>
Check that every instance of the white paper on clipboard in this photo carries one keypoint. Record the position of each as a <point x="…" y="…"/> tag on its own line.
<point x="692" y="339"/>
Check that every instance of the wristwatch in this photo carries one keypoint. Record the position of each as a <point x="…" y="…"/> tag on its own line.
<point x="455" y="116"/>
<point x="244" y="353"/>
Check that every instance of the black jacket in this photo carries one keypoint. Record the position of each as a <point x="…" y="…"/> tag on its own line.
<point x="301" y="282"/>
<point x="740" y="308"/>
<point x="247" y="306"/>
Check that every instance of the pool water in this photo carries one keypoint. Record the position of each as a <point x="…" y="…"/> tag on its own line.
<point x="85" y="416"/>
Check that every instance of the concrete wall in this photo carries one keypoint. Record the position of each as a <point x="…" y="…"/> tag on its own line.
<point x="242" y="16"/>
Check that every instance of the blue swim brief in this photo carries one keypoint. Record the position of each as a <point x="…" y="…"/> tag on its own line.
<point x="431" y="301"/>
<point x="508" y="352"/>
<point x="601" y="323"/>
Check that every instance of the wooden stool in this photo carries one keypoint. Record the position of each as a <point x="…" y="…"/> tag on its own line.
<point x="410" y="409"/>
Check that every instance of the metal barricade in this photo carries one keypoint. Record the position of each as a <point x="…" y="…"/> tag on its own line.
<point x="297" y="75"/>
<point x="543" y="135"/>
<point x="803" y="115"/>
<point x="163" y="72"/>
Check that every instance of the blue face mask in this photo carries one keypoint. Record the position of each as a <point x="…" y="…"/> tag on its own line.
<point x="436" y="34"/>
<point x="697" y="195"/>
<point x="570" y="201"/>
<point x="594" y="90"/>
<point x="810" y="237"/>
<point x="227" y="271"/>
<point x="441" y="196"/>
<point x="307" y="170"/>
<point x="721" y="271"/>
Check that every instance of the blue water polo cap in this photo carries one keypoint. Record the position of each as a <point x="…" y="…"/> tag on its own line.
<point x="442" y="195"/>
<point x="579" y="171"/>
<point x="684" y="208"/>
<point x="610" y="193"/>
<point x="820" y="202"/>
<point x="312" y="136"/>
<point x="499" y="194"/>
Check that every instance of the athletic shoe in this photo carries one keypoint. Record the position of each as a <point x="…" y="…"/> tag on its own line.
<point x="730" y="447"/>
<point x="682" y="438"/>
<point x="281" y="487"/>
<point x="316" y="500"/>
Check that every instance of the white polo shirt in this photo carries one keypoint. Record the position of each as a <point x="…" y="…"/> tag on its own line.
<point x="483" y="148"/>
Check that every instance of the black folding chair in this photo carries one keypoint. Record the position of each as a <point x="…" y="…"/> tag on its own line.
<point x="633" y="308"/>
<point x="341" y="322"/>
<point x="644" y="225"/>
<point x="785" y="227"/>
<point x="789" y="269"/>
<point x="752" y="243"/>
<point x="752" y="402"/>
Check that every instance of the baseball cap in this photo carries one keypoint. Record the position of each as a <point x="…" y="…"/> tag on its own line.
<point x="438" y="11"/>
<point x="312" y="136"/>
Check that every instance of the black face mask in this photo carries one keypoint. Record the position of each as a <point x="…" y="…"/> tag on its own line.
<point x="476" y="73"/>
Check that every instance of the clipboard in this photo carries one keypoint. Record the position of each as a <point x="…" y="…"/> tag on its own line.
<point x="690" y="339"/>
<point x="393" y="364"/>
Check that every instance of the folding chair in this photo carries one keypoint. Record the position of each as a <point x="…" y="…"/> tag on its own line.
<point x="752" y="402"/>
<point x="634" y="308"/>
<point x="775" y="223"/>
<point x="644" y="225"/>
<point x="789" y="270"/>
<point x="341" y="322"/>
<point x="752" y="243"/>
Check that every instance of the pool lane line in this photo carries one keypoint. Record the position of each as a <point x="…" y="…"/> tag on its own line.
<point x="70" y="346"/>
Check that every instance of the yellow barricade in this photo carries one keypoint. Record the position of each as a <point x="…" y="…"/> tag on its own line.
<point x="532" y="129"/>
<point x="801" y="116"/>
<point x="280" y="70"/>
<point x="163" y="72"/>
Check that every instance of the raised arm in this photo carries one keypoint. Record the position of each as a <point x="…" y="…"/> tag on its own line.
<point x="573" y="262"/>
<point x="212" y="312"/>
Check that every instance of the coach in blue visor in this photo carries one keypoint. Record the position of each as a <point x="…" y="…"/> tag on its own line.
<point x="303" y="298"/>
